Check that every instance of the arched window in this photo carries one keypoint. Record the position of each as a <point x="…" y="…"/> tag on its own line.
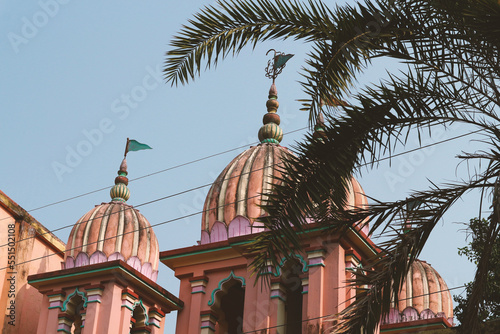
<point x="231" y="307"/>
<point x="72" y="313"/>
<point x="227" y="302"/>
<point x="292" y="304"/>
<point x="74" y="308"/>
<point x="139" y="318"/>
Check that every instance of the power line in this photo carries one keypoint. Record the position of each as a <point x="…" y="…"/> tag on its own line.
<point x="146" y="203"/>
<point x="157" y="172"/>
<point x="209" y="184"/>
<point x="333" y="314"/>
<point x="139" y="229"/>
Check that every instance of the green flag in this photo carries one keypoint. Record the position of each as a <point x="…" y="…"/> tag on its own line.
<point x="134" y="145"/>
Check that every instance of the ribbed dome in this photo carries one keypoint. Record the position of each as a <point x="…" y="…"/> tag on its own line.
<point x="112" y="231"/>
<point x="233" y="202"/>
<point x="424" y="295"/>
<point x="426" y="289"/>
<point x="236" y="192"/>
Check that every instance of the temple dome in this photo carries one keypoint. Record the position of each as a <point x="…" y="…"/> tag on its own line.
<point x="112" y="231"/>
<point x="236" y="192"/>
<point x="424" y="295"/>
<point x="234" y="201"/>
<point x="232" y="205"/>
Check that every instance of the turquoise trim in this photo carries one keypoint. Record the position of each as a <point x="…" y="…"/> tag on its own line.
<point x="279" y="297"/>
<point x="197" y="292"/>
<point x="106" y="269"/>
<point x="63" y="330"/>
<point x="317" y="265"/>
<point x="76" y="292"/>
<point x="94" y="301"/>
<point x="305" y="267"/>
<point x="222" y="281"/>
<point x="304" y="292"/>
<point x="139" y="303"/>
<point x="131" y="309"/>
<point x="207" y="327"/>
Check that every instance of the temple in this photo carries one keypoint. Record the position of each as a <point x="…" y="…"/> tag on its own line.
<point x="103" y="279"/>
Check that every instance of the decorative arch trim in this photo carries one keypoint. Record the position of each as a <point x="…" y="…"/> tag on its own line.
<point x="74" y="293"/>
<point x="141" y="305"/>
<point x="222" y="281"/>
<point x="305" y="266"/>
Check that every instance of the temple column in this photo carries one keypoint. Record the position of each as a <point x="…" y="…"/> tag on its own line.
<point x="156" y="320"/>
<point x="198" y="290"/>
<point x="316" y="288"/>
<point x="208" y="321"/>
<point x="277" y="311"/>
<point x="94" y="296"/>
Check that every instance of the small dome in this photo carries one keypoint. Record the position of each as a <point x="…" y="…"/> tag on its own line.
<point x="114" y="231"/>
<point x="424" y="295"/>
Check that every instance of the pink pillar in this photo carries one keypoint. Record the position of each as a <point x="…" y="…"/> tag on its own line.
<point x="128" y="298"/>
<point x="94" y="296"/>
<point x="305" y="301"/>
<point x="335" y="285"/>
<point x="316" y="291"/>
<point x="277" y="314"/>
<point x="156" y="320"/>
<point x="257" y="306"/>
<point x="352" y="262"/>
<point x="56" y="300"/>
<point x="184" y="314"/>
<point x="208" y="322"/>
<point x="198" y="290"/>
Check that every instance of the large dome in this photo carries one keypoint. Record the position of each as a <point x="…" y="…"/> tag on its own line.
<point x="424" y="295"/>
<point x="236" y="192"/>
<point x="233" y="203"/>
<point x="113" y="231"/>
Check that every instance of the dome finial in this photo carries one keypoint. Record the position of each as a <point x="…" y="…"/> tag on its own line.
<point x="319" y="128"/>
<point x="270" y="132"/>
<point x="120" y="191"/>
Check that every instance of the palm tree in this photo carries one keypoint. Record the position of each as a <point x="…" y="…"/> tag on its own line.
<point x="451" y="50"/>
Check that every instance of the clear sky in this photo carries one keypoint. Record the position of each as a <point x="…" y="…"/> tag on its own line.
<point x="77" y="78"/>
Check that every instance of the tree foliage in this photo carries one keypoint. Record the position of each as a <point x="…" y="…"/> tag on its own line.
<point x="451" y="53"/>
<point x="489" y="307"/>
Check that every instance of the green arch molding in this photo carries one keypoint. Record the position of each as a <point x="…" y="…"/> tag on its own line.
<point x="222" y="281"/>
<point x="305" y="266"/>
<point x="74" y="293"/>
<point x="141" y="305"/>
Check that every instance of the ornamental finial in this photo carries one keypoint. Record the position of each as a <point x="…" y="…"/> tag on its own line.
<point x="270" y="132"/>
<point x="120" y="191"/>
<point x="276" y="65"/>
<point x="319" y="128"/>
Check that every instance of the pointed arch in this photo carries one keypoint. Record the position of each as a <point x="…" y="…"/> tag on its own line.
<point x="298" y="257"/>
<point x="221" y="283"/>
<point x="140" y="315"/>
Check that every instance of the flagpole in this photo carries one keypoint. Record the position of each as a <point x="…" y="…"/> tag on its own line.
<point x="126" y="148"/>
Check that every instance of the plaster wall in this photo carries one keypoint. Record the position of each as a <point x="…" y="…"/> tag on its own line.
<point x="33" y="255"/>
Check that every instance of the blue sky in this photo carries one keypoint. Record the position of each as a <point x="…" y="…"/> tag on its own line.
<point x="78" y="78"/>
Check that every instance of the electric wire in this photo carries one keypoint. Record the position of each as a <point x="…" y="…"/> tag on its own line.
<point x="333" y="314"/>
<point x="147" y="203"/>
<point x="158" y="172"/>
<point x="215" y="182"/>
<point x="122" y="234"/>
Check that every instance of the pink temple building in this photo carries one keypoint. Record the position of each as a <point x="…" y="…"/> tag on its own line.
<point x="103" y="279"/>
